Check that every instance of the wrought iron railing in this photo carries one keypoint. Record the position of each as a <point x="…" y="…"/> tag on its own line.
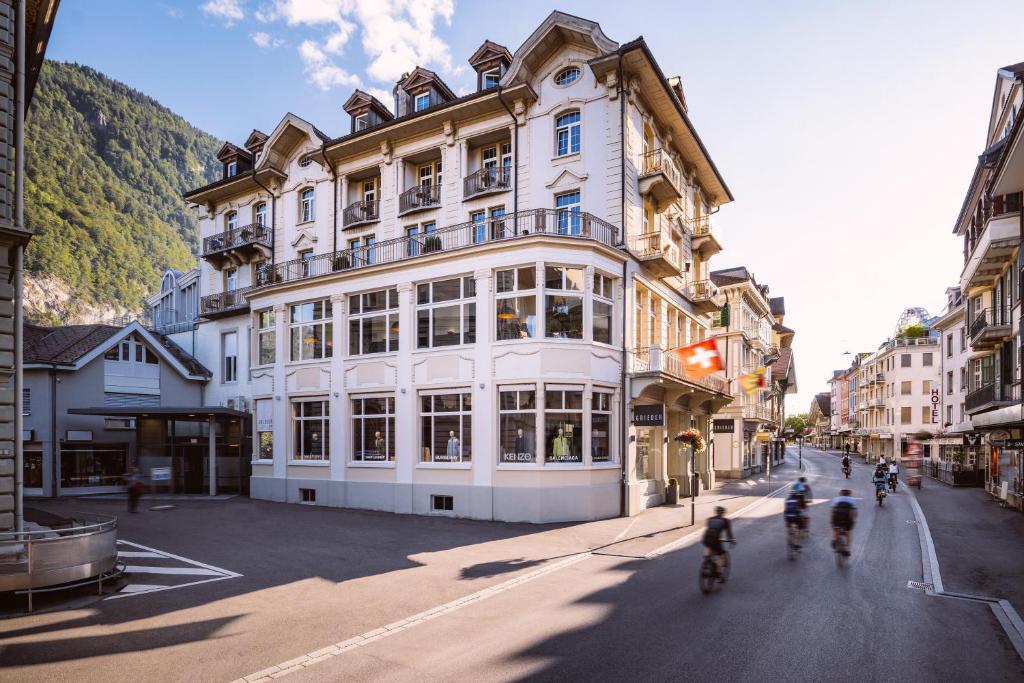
<point x="657" y="161"/>
<point x="647" y="245"/>
<point x="700" y="226"/>
<point x="992" y="393"/>
<point x="224" y="301"/>
<point x="647" y="359"/>
<point x="361" y="212"/>
<point x="490" y="179"/>
<point x="989" y="317"/>
<point x="239" y="237"/>
<point x="705" y="290"/>
<point x="419" y="197"/>
<point x="548" y="222"/>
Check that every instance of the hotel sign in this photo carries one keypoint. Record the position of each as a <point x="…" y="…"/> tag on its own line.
<point x="936" y="406"/>
<point x="649" y="416"/>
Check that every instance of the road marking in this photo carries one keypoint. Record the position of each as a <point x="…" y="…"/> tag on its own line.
<point x="312" y="658"/>
<point x="192" y="568"/>
<point x="1004" y="612"/>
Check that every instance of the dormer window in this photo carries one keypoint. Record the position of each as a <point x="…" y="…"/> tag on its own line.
<point x="490" y="79"/>
<point x="362" y="122"/>
<point x="422" y="102"/>
<point x="232" y="169"/>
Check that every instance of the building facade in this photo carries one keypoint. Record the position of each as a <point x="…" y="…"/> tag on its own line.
<point x="820" y="416"/>
<point x="467" y="306"/>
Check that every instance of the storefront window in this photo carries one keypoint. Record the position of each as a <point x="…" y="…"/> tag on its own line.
<point x="373" y="429"/>
<point x="602" y="320"/>
<point x="312" y="430"/>
<point x="265" y="429"/>
<point x="311" y="330"/>
<point x="517" y="417"/>
<point x="563" y="425"/>
<point x="447" y="429"/>
<point x="373" y="322"/>
<point x="92" y="464"/>
<point x="600" y="426"/>
<point x="446" y="313"/>
<point x="643" y="453"/>
<point x="516" y="303"/>
<point x="563" y="312"/>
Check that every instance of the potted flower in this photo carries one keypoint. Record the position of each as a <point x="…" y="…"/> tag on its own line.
<point x="341" y="262"/>
<point x="432" y="243"/>
<point x="691" y="438"/>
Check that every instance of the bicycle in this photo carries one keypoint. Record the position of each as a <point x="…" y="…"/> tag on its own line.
<point x="712" y="573"/>
<point x="793" y="537"/>
<point x="842" y="554"/>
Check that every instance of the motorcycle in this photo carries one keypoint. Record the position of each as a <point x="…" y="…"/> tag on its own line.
<point x="892" y="482"/>
<point x="880" y="495"/>
<point x="846" y="471"/>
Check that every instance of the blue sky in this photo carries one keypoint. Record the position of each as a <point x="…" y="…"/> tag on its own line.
<point x="847" y="131"/>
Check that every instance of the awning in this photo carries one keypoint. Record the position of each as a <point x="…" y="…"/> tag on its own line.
<point x="181" y="413"/>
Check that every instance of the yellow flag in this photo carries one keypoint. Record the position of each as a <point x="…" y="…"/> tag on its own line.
<point x="755" y="381"/>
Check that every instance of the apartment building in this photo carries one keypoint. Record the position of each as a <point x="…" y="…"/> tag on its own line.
<point x="990" y="225"/>
<point x="744" y="430"/>
<point x="464" y="304"/>
<point x="820" y="415"/>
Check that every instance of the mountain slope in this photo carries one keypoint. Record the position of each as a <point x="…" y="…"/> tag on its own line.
<point x="105" y="170"/>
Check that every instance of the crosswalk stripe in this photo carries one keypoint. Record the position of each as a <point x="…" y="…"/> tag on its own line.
<point x="137" y="553"/>
<point x="184" y="571"/>
<point x="141" y="587"/>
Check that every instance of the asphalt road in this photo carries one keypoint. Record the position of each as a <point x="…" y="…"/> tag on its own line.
<point x="621" y="617"/>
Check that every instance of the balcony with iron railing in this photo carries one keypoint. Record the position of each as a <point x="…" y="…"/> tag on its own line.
<point x="758" y="410"/>
<point x="419" y="198"/>
<point x="488" y="180"/>
<point x="990" y="241"/>
<point x="659" y="176"/>
<point x="534" y="223"/>
<point x="990" y="327"/>
<point x="361" y="213"/>
<point x="658" y="252"/>
<point x="237" y="246"/>
<point x="990" y="396"/>
<point x="656" y="360"/>
<point x="224" y="303"/>
<point x="706" y="296"/>
<point x="704" y="240"/>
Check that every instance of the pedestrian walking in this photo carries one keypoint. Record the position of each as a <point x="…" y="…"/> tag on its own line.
<point x="134" y="489"/>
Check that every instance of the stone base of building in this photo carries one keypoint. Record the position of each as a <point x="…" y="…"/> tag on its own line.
<point x="493" y="503"/>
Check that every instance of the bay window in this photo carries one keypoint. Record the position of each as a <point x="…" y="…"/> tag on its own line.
<point x="266" y="333"/>
<point x="373" y="322"/>
<point x="517" y="425"/>
<point x="601" y="322"/>
<point x="446" y="427"/>
<point x="446" y="313"/>
<point x="311" y="421"/>
<point x="373" y="428"/>
<point x="563" y="311"/>
<point x="311" y="330"/>
<point x="563" y="424"/>
<point x="516" y="303"/>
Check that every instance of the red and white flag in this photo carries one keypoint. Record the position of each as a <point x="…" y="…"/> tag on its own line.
<point x="700" y="359"/>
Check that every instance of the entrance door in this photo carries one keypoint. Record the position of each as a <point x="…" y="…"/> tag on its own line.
<point x="193" y="462"/>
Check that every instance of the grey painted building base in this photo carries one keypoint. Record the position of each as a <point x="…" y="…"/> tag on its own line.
<point x="500" y="503"/>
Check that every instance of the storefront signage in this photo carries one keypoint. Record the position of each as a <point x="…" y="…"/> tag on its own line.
<point x="160" y="474"/>
<point x="79" y="435"/>
<point x="649" y="416"/>
<point x="723" y="426"/>
<point x="1009" y="443"/>
<point x="936" y="406"/>
<point x="972" y="439"/>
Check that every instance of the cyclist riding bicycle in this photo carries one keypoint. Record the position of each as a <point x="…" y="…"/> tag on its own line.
<point x="803" y="489"/>
<point x="716" y="526"/>
<point x="793" y="513"/>
<point x="894" y="471"/>
<point x="844" y="515"/>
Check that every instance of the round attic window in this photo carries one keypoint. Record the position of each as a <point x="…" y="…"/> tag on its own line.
<point x="567" y="75"/>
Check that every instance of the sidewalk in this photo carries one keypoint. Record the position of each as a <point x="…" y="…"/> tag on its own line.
<point x="980" y="546"/>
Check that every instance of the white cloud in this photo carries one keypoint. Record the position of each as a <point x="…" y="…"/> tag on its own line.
<point x="386" y="97"/>
<point x="397" y="36"/>
<point x="322" y="72"/>
<point x="228" y="10"/>
<point x="265" y="40"/>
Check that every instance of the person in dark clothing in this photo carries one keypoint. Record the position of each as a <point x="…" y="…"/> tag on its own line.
<point x="716" y="526"/>
<point x="134" y="489"/>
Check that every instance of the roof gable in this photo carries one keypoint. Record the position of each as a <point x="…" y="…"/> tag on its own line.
<point x="420" y="77"/>
<point x="287" y="136"/>
<point x="231" y="151"/>
<point x="255" y="141"/>
<point x="361" y="101"/>
<point x="556" y="30"/>
<point x="489" y="52"/>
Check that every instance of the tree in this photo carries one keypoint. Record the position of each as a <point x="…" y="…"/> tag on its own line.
<point x="915" y="331"/>
<point x="796" y="424"/>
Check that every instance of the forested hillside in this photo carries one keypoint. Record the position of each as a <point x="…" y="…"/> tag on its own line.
<point x="106" y="167"/>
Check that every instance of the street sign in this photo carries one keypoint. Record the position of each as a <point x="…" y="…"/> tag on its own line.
<point x="1009" y="443"/>
<point x="649" y="416"/>
<point x="160" y="474"/>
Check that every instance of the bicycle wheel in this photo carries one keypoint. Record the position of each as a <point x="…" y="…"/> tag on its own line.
<point x="791" y="548"/>
<point x="840" y="552"/>
<point x="724" y="576"/>
<point x="707" y="575"/>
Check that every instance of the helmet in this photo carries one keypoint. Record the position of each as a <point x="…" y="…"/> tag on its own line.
<point x="719" y="510"/>
<point x="844" y="492"/>
<point x="803" y="480"/>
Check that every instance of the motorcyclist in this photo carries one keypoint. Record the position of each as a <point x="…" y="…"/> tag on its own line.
<point x="844" y="515"/>
<point x="846" y="463"/>
<point x="879" y="479"/>
<point x="894" y="471"/>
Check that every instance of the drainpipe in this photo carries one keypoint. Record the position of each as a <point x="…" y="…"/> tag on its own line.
<point x="273" y="216"/>
<point x="624" y="378"/>
<point x="19" y="223"/>
<point x="515" y="155"/>
<point x="53" y="430"/>
<point x="334" y="184"/>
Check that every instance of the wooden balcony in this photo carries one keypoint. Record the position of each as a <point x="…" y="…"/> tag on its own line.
<point x="704" y="241"/>
<point x="658" y="253"/>
<point x="419" y="198"/>
<point x="224" y="303"/>
<point x="659" y="176"/>
<point x="487" y="181"/>
<point x="239" y="246"/>
<point x="360" y="213"/>
<point x="706" y="298"/>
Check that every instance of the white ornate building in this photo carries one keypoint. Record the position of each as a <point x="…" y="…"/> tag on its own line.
<point x="455" y="309"/>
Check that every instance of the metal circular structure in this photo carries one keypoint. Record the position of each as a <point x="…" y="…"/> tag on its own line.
<point x="911" y="316"/>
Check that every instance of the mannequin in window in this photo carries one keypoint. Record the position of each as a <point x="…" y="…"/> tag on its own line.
<point x="560" y="446"/>
<point x="378" y="444"/>
<point x="523" y="446"/>
<point x="454" y="449"/>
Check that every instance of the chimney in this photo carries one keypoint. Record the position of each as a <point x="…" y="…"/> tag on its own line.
<point x="676" y="83"/>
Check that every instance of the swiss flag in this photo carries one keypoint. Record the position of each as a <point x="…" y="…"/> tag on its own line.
<point x="700" y="359"/>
